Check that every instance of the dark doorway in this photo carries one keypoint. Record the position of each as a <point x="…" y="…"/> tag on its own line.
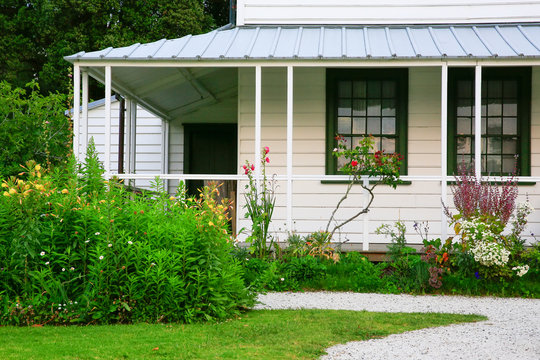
<point x="209" y="149"/>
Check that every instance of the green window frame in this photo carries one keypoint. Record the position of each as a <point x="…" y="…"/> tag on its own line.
<point x="506" y="112"/>
<point x="360" y="102"/>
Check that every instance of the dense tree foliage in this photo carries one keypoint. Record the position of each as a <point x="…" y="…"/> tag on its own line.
<point x="35" y="35"/>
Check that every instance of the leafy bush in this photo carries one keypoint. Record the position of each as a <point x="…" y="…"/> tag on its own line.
<point x="32" y="127"/>
<point x="77" y="249"/>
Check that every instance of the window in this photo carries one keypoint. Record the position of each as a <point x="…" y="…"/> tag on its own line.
<point x="506" y="94"/>
<point x="367" y="102"/>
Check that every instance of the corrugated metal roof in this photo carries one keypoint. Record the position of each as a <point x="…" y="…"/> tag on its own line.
<point x="334" y="42"/>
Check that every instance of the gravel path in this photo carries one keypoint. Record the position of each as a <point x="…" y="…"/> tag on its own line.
<point x="512" y="330"/>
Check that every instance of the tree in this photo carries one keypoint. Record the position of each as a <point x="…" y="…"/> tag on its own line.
<point x="36" y="35"/>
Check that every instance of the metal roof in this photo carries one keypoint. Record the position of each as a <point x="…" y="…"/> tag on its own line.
<point x="335" y="42"/>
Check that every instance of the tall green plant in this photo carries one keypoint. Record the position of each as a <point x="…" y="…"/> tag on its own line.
<point x="259" y="204"/>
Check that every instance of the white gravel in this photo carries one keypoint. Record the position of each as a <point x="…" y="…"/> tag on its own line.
<point x="512" y="330"/>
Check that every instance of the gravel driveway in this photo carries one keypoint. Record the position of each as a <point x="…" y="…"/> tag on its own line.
<point x="512" y="330"/>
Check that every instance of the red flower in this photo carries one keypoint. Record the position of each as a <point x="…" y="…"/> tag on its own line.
<point x="245" y="167"/>
<point x="252" y="167"/>
<point x="246" y="172"/>
<point x="266" y="149"/>
<point x="354" y="163"/>
<point x="267" y="160"/>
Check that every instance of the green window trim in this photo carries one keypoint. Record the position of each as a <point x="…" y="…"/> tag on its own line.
<point x="333" y="76"/>
<point x="523" y="76"/>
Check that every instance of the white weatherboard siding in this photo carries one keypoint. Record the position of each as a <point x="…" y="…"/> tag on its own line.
<point x="344" y="12"/>
<point x="148" y="140"/>
<point x="314" y="201"/>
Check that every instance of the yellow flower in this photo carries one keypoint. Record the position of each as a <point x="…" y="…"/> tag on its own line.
<point x="210" y="223"/>
<point x="220" y="217"/>
<point x="12" y="191"/>
<point x="5" y="185"/>
<point x="6" y="193"/>
<point x="172" y="198"/>
<point x="65" y="191"/>
<point x="19" y="182"/>
<point x="40" y="187"/>
<point x="38" y="167"/>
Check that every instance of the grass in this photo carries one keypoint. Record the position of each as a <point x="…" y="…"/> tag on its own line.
<point x="265" y="334"/>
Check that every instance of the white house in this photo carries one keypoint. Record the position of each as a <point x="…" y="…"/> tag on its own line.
<point x="439" y="82"/>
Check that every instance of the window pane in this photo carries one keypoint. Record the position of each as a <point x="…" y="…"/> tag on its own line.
<point x="359" y="126"/>
<point x="482" y="126"/>
<point x="510" y="109"/>
<point x="493" y="163"/>
<point x="494" y="108"/>
<point x="464" y="145"/>
<point x="356" y="141"/>
<point x="388" y="125"/>
<point x="494" y="145"/>
<point x="373" y="125"/>
<point x="484" y="166"/>
<point x="359" y="89"/>
<point x="374" y="107"/>
<point x="374" y="89"/>
<point x="508" y="164"/>
<point x="344" y="89"/>
<point x="494" y="89"/>
<point x="341" y="161"/>
<point x="359" y="107"/>
<point x="484" y="146"/>
<point x="464" y="107"/>
<point x="344" y="107"/>
<point x="389" y="145"/>
<point x="389" y="89"/>
<point x="388" y="108"/>
<point x="464" y="88"/>
<point x="494" y="126"/>
<point x="510" y="89"/>
<point x="509" y="146"/>
<point x="510" y="126"/>
<point x="464" y="162"/>
<point x="344" y="125"/>
<point x="464" y="126"/>
<point x="377" y="144"/>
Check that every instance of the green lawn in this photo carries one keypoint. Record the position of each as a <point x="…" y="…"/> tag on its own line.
<point x="283" y="334"/>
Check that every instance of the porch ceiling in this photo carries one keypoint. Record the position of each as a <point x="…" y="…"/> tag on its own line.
<point x="172" y="92"/>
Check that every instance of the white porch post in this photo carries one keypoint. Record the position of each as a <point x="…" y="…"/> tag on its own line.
<point x="108" y="93"/>
<point x="84" y="142"/>
<point x="478" y="121"/>
<point x="133" y="137"/>
<point x="444" y="148"/>
<point x="365" y="236"/>
<point x="257" y="150"/>
<point x="128" y="136"/>
<point x="76" y="109"/>
<point x="290" y="99"/>
<point x="165" y="151"/>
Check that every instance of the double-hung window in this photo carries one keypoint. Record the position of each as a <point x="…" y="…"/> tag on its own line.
<point x="367" y="102"/>
<point x="505" y="120"/>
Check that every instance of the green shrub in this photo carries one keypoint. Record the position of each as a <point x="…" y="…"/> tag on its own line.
<point x="32" y="127"/>
<point x="77" y="249"/>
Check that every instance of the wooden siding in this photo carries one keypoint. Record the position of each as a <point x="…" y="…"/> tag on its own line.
<point x="302" y="12"/>
<point x="314" y="201"/>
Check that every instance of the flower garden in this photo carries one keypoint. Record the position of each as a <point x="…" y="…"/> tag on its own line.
<point x="76" y="249"/>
